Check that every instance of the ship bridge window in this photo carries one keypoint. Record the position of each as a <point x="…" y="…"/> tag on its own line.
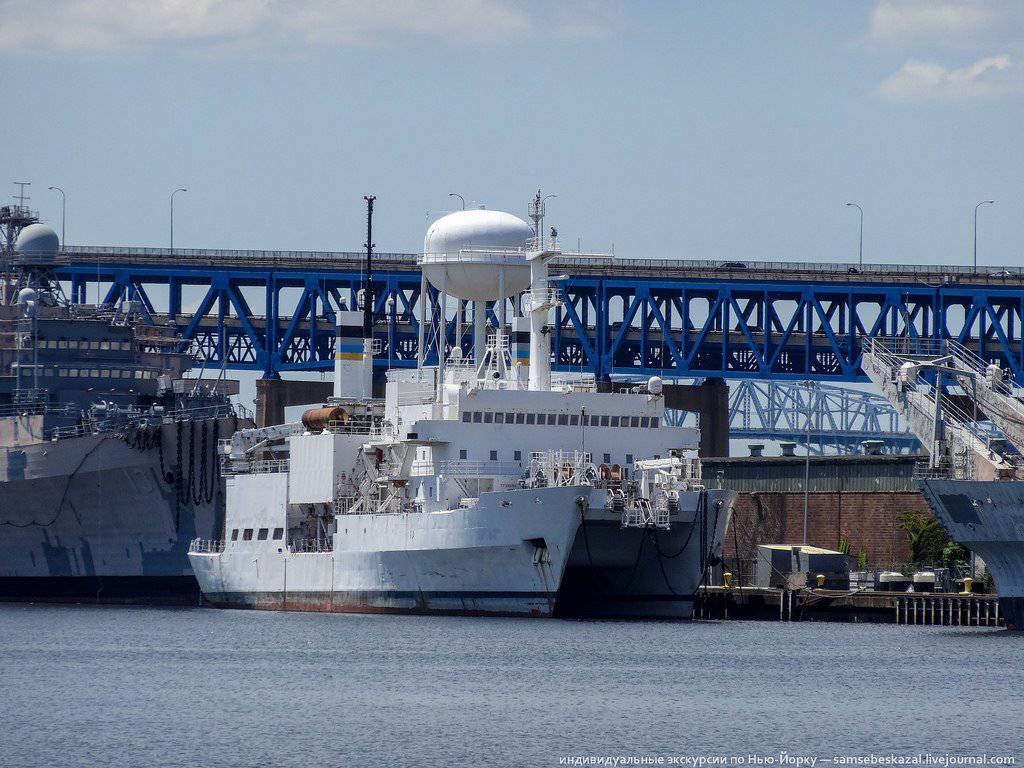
<point x="615" y="421"/>
<point x="634" y="421"/>
<point x="488" y="417"/>
<point x="234" y="534"/>
<point x="105" y="345"/>
<point x="531" y="418"/>
<point x="654" y="422"/>
<point x="563" y="419"/>
<point x="604" y="421"/>
<point x="462" y="455"/>
<point x="278" y="534"/>
<point x="520" y="418"/>
<point x="477" y="417"/>
<point x="510" y="418"/>
<point x="247" y="534"/>
<point x="494" y="455"/>
<point x="467" y="417"/>
<point x="262" y="536"/>
<point x="499" y="418"/>
<point x="574" y="420"/>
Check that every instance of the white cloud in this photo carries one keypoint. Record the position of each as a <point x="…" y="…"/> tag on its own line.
<point x="987" y="33"/>
<point x="246" y="26"/>
<point x="960" y="24"/>
<point x="986" y="78"/>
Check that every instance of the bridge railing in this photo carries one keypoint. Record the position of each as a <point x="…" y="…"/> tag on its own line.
<point x="566" y="261"/>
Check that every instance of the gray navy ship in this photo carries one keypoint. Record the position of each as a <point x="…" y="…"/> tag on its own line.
<point x="108" y="463"/>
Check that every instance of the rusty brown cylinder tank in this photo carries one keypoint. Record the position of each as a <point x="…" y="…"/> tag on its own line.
<point x="317" y="419"/>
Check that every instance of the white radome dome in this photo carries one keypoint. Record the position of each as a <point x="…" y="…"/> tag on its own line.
<point x="37" y="240"/>
<point x="465" y="251"/>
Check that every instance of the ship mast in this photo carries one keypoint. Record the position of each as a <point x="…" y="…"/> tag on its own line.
<point x="368" y="284"/>
<point x="13" y="219"/>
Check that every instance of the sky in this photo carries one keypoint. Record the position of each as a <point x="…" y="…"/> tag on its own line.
<point x="720" y="130"/>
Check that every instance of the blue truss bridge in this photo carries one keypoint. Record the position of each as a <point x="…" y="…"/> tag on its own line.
<point x="272" y="311"/>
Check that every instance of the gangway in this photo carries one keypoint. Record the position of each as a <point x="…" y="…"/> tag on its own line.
<point x="917" y="376"/>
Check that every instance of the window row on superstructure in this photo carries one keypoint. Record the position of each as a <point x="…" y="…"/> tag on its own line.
<point x="560" y="419"/>
<point x="95" y="373"/>
<point x="261" y="534"/>
<point x="99" y="345"/>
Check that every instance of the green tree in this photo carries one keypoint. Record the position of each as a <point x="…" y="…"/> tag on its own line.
<point x="929" y="542"/>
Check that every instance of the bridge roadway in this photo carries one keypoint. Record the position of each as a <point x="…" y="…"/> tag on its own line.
<point x="271" y="311"/>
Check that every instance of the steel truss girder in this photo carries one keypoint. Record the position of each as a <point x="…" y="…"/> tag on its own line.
<point x="746" y="329"/>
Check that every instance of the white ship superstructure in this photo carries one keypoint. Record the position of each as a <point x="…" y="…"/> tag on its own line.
<point x="476" y="485"/>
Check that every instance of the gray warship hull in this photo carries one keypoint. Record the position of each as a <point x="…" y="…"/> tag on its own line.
<point x="987" y="517"/>
<point x="108" y="517"/>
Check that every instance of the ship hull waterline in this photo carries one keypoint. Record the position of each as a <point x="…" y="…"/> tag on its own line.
<point x="94" y="519"/>
<point x="590" y="565"/>
<point x="987" y="517"/>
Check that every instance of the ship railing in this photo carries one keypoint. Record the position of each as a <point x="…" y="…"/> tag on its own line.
<point x="310" y="546"/>
<point x="259" y="467"/>
<point x="383" y="430"/>
<point x="642" y="514"/>
<point x="471" y="468"/>
<point x="37" y="409"/>
<point x="29" y="396"/>
<point x="543" y="297"/>
<point x="562" y="468"/>
<point x="206" y="546"/>
<point x="354" y="426"/>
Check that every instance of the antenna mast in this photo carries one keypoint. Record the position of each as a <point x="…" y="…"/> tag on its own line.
<point x="368" y="285"/>
<point x="537" y="216"/>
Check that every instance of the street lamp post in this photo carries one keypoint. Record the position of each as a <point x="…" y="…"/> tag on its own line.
<point x="983" y="202"/>
<point x="63" y="212"/>
<point x="860" y="250"/>
<point x="180" y="189"/>
<point x="456" y="194"/>
<point x="807" y="454"/>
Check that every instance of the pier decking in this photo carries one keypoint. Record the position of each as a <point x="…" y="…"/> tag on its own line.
<point x="932" y="608"/>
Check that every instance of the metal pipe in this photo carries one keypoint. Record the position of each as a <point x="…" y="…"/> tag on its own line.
<point x="807" y="455"/>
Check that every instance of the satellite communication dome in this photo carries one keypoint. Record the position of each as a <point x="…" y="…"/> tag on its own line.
<point x="37" y="241"/>
<point x="478" y="255"/>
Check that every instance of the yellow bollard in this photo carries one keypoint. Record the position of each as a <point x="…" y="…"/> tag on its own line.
<point x="820" y="578"/>
<point x="968" y="585"/>
<point x="727" y="580"/>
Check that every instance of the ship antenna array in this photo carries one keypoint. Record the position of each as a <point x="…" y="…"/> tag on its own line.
<point x="368" y="285"/>
<point x="13" y="219"/>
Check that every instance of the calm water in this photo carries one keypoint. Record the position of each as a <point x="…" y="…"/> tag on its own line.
<point x="84" y="686"/>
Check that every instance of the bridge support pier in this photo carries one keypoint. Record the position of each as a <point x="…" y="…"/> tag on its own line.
<point x="710" y="401"/>
<point x="273" y="395"/>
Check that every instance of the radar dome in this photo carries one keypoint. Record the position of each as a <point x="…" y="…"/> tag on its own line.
<point x="37" y="241"/>
<point x="478" y="255"/>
